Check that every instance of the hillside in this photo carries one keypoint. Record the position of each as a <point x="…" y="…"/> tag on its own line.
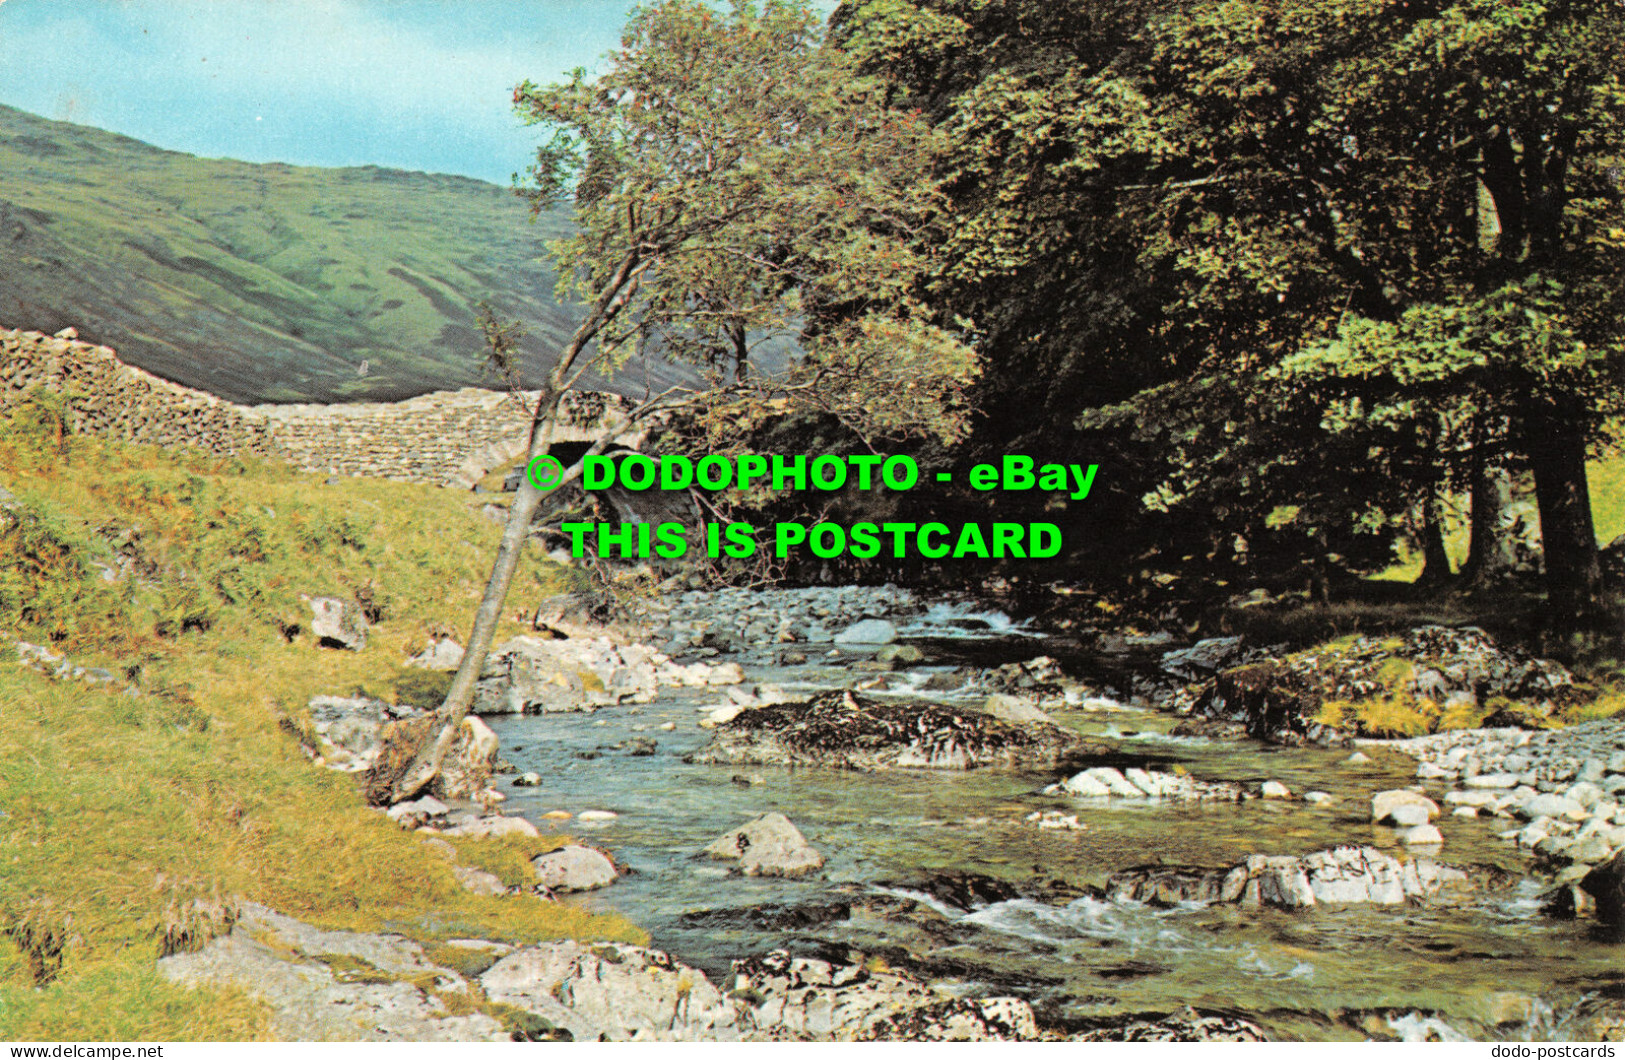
<point x="265" y="282"/>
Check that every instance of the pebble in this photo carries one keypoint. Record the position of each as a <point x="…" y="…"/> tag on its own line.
<point x="597" y="815"/>
<point x="1318" y="798"/>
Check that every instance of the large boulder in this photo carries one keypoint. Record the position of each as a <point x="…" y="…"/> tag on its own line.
<point x="846" y="731"/>
<point x="307" y="978"/>
<point x="575" y="868"/>
<point x="355" y="734"/>
<point x="786" y="998"/>
<point x="767" y="846"/>
<point x="538" y="676"/>
<point x="337" y="623"/>
<point x="612" y="992"/>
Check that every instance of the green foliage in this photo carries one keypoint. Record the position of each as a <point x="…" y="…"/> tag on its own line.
<point x="737" y="187"/>
<point x="1272" y="254"/>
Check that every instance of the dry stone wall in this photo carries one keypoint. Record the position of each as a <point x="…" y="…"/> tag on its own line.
<point x="448" y="438"/>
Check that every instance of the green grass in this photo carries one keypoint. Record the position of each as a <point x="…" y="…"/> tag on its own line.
<point x="120" y="811"/>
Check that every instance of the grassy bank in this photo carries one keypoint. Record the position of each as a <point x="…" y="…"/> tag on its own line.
<point x="129" y="822"/>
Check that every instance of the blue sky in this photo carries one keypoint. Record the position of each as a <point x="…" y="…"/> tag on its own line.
<point x="414" y="84"/>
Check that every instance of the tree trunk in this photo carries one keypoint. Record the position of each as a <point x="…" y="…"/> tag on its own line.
<point x="1554" y="439"/>
<point x="426" y="764"/>
<point x="1435" y="556"/>
<point x="1492" y="553"/>
<point x="613" y="297"/>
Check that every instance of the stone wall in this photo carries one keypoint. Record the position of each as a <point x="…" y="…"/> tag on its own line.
<point x="116" y="400"/>
<point x="448" y="438"/>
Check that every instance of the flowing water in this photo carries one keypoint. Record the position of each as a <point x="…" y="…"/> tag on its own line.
<point x="1484" y="966"/>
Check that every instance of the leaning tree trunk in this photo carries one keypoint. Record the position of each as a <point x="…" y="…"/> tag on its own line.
<point x="1555" y="441"/>
<point x="618" y="289"/>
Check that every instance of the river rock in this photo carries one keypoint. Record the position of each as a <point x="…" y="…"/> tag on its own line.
<point x="1340" y="875"/>
<point x="1421" y="835"/>
<point x="337" y="623"/>
<point x="1203" y="659"/>
<point x="1408" y="815"/>
<point x="1274" y="789"/>
<point x="1556" y="806"/>
<point x="575" y="868"/>
<point x="1384" y="803"/>
<point x="492" y="827"/>
<point x="1014" y="710"/>
<point x="846" y="731"/>
<point x="612" y="992"/>
<point x="901" y="654"/>
<point x="1102" y="782"/>
<point x="533" y="675"/>
<point x="786" y="998"/>
<point x="1189" y="1025"/>
<point x="868" y="631"/>
<point x="767" y="846"/>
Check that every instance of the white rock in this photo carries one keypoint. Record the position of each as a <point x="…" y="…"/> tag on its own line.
<point x="868" y="631"/>
<point x="597" y="815"/>
<point x="767" y="846"/>
<point x="1421" y="834"/>
<point x="488" y="827"/>
<point x="574" y="868"/>
<point x="1318" y="798"/>
<point x="1086" y="785"/>
<point x="1551" y="806"/>
<point x="1274" y="789"/>
<point x="1407" y="816"/>
<point x="1385" y="802"/>
<point x="725" y="674"/>
<point x="1491" y="781"/>
<point x="1115" y="782"/>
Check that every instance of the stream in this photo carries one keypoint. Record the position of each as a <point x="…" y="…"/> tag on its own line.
<point x="1484" y="966"/>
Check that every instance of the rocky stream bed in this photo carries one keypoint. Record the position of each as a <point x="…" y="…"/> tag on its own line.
<point x="847" y="813"/>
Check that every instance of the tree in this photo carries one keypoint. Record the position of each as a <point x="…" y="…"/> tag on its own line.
<point x="735" y="183"/>
<point x="1211" y="188"/>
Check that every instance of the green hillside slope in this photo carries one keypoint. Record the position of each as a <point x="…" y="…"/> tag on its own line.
<point x="265" y="282"/>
